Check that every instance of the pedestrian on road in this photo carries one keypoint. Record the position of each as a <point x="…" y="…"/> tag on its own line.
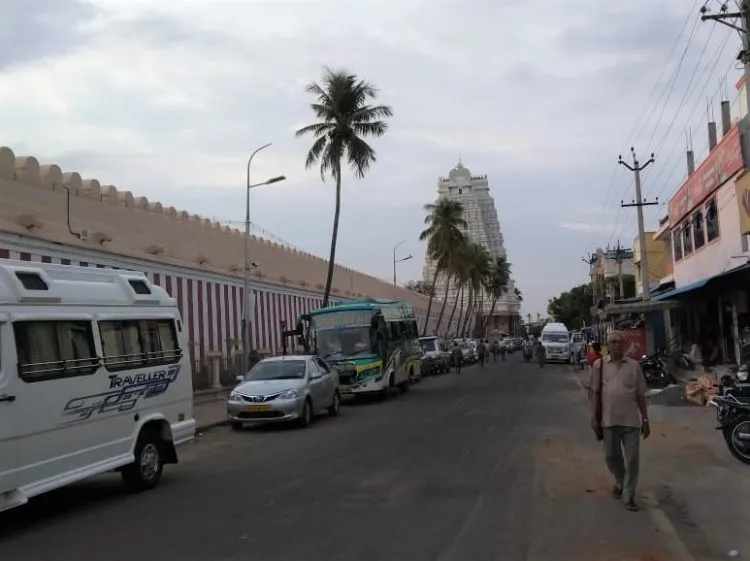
<point x="619" y="416"/>
<point x="495" y="350"/>
<point x="503" y="350"/>
<point x="458" y="356"/>
<point x="541" y="353"/>
<point x="482" y="353"/>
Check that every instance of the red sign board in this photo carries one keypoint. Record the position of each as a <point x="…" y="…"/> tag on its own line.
<point x="722" y="163"/>
<point x="635" y="342"/>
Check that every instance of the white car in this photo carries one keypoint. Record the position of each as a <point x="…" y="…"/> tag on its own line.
<point x="285" y="388"/>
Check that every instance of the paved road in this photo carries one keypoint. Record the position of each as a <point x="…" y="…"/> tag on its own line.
<point x="490" y="465"/>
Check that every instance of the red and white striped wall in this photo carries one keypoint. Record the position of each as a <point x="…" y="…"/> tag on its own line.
<point x="210" y="305"/>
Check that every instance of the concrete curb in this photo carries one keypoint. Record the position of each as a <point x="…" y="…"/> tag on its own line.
<point x="208" y="426"/>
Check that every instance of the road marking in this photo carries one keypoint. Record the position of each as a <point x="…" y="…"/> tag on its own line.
<point x="667" y="529"/>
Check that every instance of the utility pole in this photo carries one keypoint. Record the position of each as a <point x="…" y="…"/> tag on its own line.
<point x="618" y="257"/>
<point x="739" y="21"/>
<point x="590" y="261"/>
<point x="639" y="203"/>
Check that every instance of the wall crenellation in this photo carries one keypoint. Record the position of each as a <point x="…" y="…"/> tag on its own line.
<point x="302" y="269"/>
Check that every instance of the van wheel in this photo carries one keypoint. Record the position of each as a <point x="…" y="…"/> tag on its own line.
<point x="145" y="473"/>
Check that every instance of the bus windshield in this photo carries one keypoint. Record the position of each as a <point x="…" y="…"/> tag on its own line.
<point x="338" y="344"/>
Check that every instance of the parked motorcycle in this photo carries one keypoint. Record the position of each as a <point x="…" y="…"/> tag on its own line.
<point x="655" y="369"/>
<point x="734" y="422"/>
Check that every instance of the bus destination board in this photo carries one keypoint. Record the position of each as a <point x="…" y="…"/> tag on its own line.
<point x="343" y="318"/>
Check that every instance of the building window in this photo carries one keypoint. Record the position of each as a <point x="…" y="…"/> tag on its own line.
<point x="699" y="235"/>
<point x="49" y="350"/>
<point x="712" y="220"/>
<point x="135" y="343"/>
<point x="677" y="244"/>
<point x="687" y="239"/>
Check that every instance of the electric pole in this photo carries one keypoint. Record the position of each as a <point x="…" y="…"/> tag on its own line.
<point x="739" y="21"/>
<point x="592" y="274"/>
<point x="639" y="203"/>
<point x="618" y="256"/>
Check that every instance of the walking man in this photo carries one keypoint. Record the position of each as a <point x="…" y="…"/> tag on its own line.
<point x="458" y="356"/>
<point x="482" y="353"/>
<point x="619" y="416"/>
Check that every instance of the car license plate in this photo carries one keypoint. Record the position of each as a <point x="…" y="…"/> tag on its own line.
<point x="258" y="408"/>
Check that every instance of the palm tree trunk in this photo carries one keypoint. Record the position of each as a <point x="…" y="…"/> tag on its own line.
<point x="453" y="311"/>
<point x="461" y="312"/>
<point x="492" y="308"/>
<point x="445" y="301"/>
<point x="481" y="325"/>
<point x="468" y="312"/>
<point x="334" y="237"/>
<point x="429" y="302"/>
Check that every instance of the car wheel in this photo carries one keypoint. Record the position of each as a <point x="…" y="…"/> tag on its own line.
<point x="307" y="414"/>
<point x="333" y="410"/>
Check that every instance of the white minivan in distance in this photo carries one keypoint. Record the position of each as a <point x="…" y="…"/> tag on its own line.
<point x="94" y="377"/>
<point x="556" y="342"/>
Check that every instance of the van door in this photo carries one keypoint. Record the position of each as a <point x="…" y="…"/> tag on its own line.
<point x="9" y="411"/>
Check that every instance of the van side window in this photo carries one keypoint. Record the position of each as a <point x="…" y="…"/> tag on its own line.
<point x="131" y="344"/>
<point x="50" y="349"/>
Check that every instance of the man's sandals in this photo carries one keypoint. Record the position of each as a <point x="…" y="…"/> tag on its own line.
<point x="630" y="505"/>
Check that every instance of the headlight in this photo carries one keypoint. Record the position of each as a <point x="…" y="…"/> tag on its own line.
<point x="235" y="396"/>
<point x="742" y="375"/>
<point x="289" y="394"/>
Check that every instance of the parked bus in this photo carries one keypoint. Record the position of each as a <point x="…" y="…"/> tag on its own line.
<point x="373" y="343"/>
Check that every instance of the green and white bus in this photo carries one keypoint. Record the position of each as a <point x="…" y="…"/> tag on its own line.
<point x="374" y="344"/>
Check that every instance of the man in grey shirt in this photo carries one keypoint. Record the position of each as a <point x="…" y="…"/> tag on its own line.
<point x="617" y="398"/>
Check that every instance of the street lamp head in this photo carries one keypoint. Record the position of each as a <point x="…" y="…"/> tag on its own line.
<point x="276" y="179"/>
<point x="407" y="258"/>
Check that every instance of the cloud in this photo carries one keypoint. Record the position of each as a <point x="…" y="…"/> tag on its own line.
<point x="39" y="29"/>
<point x="169" y="99"/>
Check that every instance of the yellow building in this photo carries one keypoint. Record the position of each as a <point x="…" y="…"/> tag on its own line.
<point x="659" y="260"/>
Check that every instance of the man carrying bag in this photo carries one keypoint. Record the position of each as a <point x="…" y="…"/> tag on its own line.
<point x="619" y="417"/>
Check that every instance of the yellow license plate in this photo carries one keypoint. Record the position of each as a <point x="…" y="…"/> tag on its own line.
<point x="258" y="408"/>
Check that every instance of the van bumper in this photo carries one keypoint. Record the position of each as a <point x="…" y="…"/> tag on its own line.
<point x="182" y="432"/>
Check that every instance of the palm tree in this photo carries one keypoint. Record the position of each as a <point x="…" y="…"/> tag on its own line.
<point x="497" y="281"/>
<point x="460" y="278"/>
<point x="344" y="119"/>
<point x="445" y="237"/>
<point x="477" y="259"/>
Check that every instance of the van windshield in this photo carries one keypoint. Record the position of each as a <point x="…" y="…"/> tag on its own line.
<point x="554" y="338"/>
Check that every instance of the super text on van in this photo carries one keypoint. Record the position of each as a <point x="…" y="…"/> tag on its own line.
<point x="94" y="377"/>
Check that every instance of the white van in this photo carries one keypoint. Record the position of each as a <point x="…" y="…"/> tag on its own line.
<point x="94" y="376"/>
<point x="556" y="342"/>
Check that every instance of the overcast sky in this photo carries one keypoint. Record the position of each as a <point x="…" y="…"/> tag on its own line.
<point x="168" y="98"/>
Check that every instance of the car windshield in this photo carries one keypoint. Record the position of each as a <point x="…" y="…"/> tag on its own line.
<point x="555" y="338"/>
<point x="428" y="345"/>
<point x="342" y="343"/>
<point x="277" y="370"/>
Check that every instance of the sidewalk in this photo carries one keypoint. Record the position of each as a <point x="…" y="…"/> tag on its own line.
<point x="210" y="409"/>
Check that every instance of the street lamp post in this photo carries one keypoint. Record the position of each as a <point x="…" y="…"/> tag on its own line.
<point x="246" y="269"/>
<point x="398" y="260"/>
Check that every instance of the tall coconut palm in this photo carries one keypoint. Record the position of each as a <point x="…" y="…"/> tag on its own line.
<point x="444" y="235"/>
<point x="345" y="118"/>
<point x="460" y="278"/>
<point x="477" y="259"/>
<point x="497" y="281"/>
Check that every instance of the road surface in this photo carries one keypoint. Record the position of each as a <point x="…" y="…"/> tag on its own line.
<point x="490" y="465"/>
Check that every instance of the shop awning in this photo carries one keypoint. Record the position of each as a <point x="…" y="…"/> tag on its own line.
<point x="641" y="307"/>
<point x="700" y="284"/>
<point x="668" y="295"/>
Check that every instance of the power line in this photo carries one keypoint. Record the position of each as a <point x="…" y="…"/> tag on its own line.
<point x="648" y="104"/>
